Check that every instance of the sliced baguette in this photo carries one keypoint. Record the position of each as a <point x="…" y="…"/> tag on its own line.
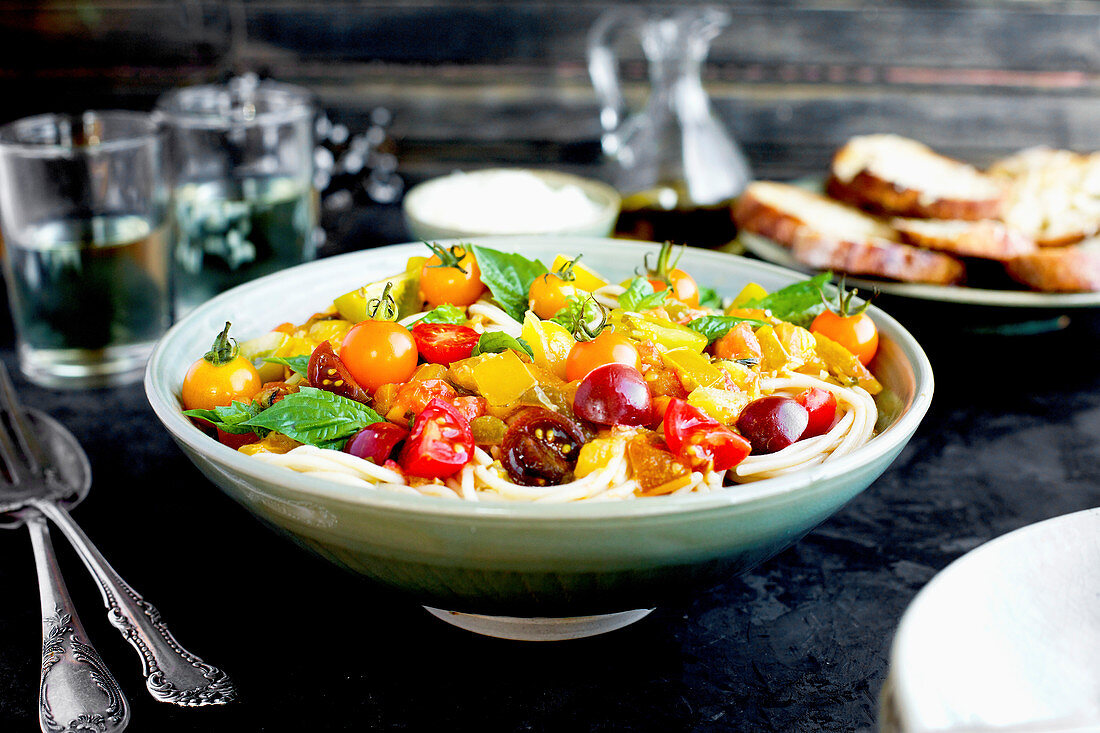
<point x="1053" y="196"/>
<point x="877" y="257"/>
<point x="1075" y="268"/>
<point x="986" y="239"/>
<point x="893" y="175"/>
<point x="778" y="211"/>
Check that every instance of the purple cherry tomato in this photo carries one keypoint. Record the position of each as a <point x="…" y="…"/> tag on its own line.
<point x="772" y="423"/>
<point x="376" y="442"/>
<point x="614" y="394"/>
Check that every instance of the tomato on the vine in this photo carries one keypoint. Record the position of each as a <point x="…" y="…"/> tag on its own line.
<point x="550" y="293"/>
<point x="665" y="275"/>
<point x="440" y="443"/>
<point x="701" y="440"/>
<point x="221" y="377"/>
<point x="607" y="348"/>
<point x="379" y="352"/>
<point x="855" y="331"/>
<point x="444" y="343"/>
<point x="451" y="276"/>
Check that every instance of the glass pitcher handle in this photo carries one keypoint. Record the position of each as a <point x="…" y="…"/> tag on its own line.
<point x="603" y="64"/>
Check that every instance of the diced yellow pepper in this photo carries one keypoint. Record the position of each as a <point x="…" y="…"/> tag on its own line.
<point x="664" y="333"/>
<point x="586" y="279"/>
<point x="502" y="378"/>
<point x="549" y="342"/>
<point x="721" y="404"/>
<point x="693" y="369"/>
<point x="750" y="292"/>
<point x="415" y="265"/>
<point x="844" y="364"/>
<point x="773" y="355"/>
<point x="741" y="374"/>
<point x="332" y="331"/>
<point x="595" y="454"/>
<point x="799" y="344"/>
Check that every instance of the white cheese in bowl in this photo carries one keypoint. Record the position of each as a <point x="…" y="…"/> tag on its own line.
<point x="503" y="201"/>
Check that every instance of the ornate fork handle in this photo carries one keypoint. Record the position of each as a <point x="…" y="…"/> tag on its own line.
<point x="76" y="692"/>
<point x="172" y="674"/>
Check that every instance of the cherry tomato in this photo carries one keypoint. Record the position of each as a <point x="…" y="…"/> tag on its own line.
<point x="440" y="443"/>
<point x="607" y="348"/>
<point x="772" y="423"/>
<point x="540" y="447"/>
<point x="451" y="276"/>
<point x="220" y="377"/>
<point x="857" y="333"/>
<point x="549" y="294"/>
<point x="379" y="352"/>
<point x="415" y="396"/>
<point x="236" y="440"/>
<point x="443" y="343"/>
<point x="701" y="440"/>
<point x="684" y="288"/>
<point x="739" y="342"/>
<point x="472" y="406"/>
<point x="821" y="406"/>
<point x="326" y="371"/>
<point x="376" y="442"/>
<point x="614" y="394"/>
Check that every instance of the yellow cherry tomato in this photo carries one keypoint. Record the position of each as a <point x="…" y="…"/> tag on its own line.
<point x="606" y="348"/>
<point x="450" y="276"/>
<point x="379" y="352"/>
<point x="549" y="294"/>
<point x="857" y="333"/>
<point x="220" y="377"/>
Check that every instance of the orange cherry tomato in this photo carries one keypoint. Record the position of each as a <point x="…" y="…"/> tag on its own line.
<point x="607" y="348"/>
<point x="220" y="378"/>
<point x="684" y="288"/>
<point x="379" y="352"/>
<point x="549" y="294"/>
<point x="856" y="333"/>
<point x="450" y="276"/>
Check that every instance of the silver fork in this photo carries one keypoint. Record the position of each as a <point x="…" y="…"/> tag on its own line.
<point x="172" y="674"/>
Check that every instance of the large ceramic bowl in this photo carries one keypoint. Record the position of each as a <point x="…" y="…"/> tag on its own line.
<point x="521" y="559"/>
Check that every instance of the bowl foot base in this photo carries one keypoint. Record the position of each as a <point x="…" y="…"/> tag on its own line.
<point x="540" y="629"/>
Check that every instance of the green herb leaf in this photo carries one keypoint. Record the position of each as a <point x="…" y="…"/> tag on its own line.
<point x="316" y="417"/>
<point x="582" y="316"/>
<point x="715" y="327"/>
<point x="799" y="303"/>
<point x="230" y="418"/>
<point x="508" y="277"/>
<point x="709" y="298"/>
<point x="297" y="364"/>
<point x="494" y="342"/>
<point x="445" y="313"/>
<point x="639" y="296"/>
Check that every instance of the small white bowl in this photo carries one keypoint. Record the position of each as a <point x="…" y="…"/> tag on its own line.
<point x="425" y="222"/>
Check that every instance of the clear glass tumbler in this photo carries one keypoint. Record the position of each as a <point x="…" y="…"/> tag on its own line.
<point x="241" y="167"/>
<point x="84" y="215"/>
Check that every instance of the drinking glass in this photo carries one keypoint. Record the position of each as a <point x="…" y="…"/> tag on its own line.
<point x="84" y="216"/>
<point x="241" y="169"/>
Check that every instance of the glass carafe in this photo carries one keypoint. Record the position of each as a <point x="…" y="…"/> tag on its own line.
<point x="675" y="163"/>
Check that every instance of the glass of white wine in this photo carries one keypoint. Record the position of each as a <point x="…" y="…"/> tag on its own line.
<point x="84" y="216"/>
<point x="241" y="170"/>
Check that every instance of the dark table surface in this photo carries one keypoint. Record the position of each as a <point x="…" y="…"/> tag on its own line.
<point x="801" y="643"/>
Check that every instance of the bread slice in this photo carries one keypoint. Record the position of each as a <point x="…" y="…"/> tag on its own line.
<point x="1075" y="268"/>
<point x="986" y="239"/>
<point x="893" y="175"/>
<point x="1053" y="196"/>
<point x="778" y="211"/>
<point x="877" y="257"/>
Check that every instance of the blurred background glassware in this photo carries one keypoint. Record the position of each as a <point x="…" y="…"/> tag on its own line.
<point x="84" y="214"/>
<point x="241" y="164"/>
<point x="675" y="163"/>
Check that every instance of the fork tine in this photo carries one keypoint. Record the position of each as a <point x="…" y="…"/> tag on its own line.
<point x="35" y="459"/>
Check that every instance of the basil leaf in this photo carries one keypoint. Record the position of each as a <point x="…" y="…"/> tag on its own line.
<point x="508" y="277"/>
<point x="297" y="364"/>
<point x="494" y="342"/>
<point x="445" y="313"/>
<point x="230" y="418"/>
<point x="709" y="298"/>
<point x="316" y="417"/>
<point x="580" y="312"/>
<point x="639" y="296"/>
<point x="715" y="327"/>
<point x="799" y="303"/>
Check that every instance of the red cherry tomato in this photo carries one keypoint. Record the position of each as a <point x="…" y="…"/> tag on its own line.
<point x="236" y="440"/>
<point x="376" y="442"/>
<point x="440" y="444"/>
<point x="821" y="405"/>
<point x="701" y="440"/>
<point x="614" y="394"/>
<point x="772" y="423"/>
<point x="443" y="343"/>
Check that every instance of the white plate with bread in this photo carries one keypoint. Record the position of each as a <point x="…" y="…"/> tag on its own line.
<point x="907" y="221"/>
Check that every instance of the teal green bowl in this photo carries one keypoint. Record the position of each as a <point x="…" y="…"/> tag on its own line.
<point x="522" y="559"/>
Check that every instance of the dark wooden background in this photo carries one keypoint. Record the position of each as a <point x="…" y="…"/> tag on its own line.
<point x="484" y="82"/>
